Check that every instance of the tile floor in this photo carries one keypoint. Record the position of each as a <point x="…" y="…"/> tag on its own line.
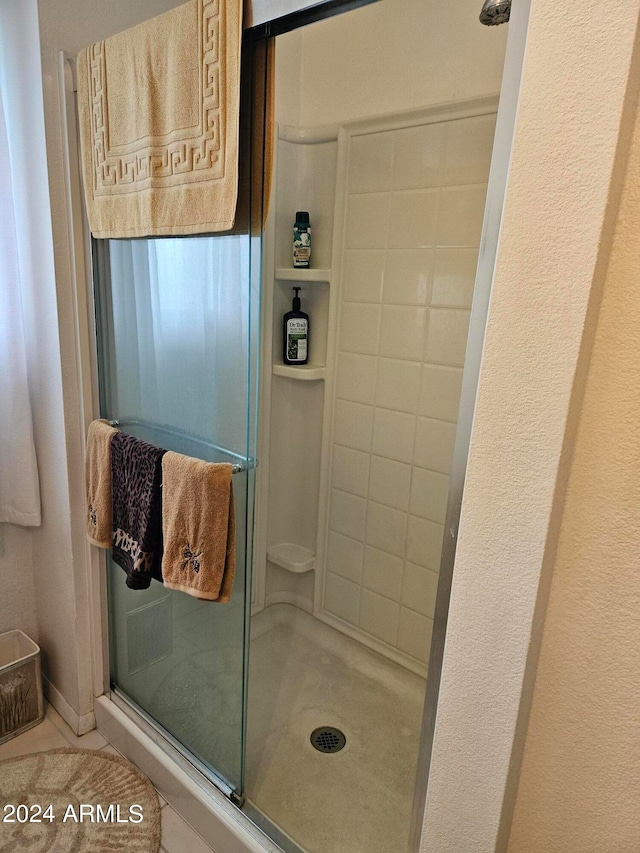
<point x="53" y="732"/>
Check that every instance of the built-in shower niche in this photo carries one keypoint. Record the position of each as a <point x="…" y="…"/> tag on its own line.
<point x="314" y="295"/>
<point x="297" y="411"/>
<point x="294" y="482"/>
<point x="305" y="180"/>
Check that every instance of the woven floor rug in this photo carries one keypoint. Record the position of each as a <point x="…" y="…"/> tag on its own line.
<point x="76" y="801"/>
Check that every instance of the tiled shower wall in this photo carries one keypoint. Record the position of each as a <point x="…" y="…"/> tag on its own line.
<point x="414" y="207"/>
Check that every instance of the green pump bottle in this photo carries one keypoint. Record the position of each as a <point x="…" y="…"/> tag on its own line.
<point x="296" y="334"/>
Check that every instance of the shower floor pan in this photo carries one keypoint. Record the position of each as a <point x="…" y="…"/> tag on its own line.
<point x="305" y="675"/>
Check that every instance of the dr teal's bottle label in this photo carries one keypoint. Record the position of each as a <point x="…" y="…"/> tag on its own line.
<point x="297" y="340"/>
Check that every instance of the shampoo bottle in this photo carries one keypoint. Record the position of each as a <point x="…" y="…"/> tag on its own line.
<point x="302" y="240"/>
<point x="296" y="333"/>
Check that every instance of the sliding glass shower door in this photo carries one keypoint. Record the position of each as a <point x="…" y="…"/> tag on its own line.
<point x="177" y="332"/>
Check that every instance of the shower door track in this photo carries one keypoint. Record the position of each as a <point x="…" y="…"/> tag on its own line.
<point x="198" y="771"/>
<point x="206" y="779"/>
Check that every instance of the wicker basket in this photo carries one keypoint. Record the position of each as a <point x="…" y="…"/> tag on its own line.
<point x="21" y="703"/>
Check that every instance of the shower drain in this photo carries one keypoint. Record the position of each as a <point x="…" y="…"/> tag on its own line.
<point x="328" y="739"/>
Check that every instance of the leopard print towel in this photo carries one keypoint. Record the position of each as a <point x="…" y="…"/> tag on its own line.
<point x="136" y="474"/>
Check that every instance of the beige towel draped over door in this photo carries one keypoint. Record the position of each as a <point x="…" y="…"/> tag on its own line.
<point x="198" y="526"/>
<point x="158" y="110"/>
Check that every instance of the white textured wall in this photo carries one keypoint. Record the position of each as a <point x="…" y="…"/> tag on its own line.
<point x="580" y="782"/>
<point x="555" y="226"/>
<point x="397" y="55"/>
<point x="17" y="595"/>
<point x="67" y="25"/>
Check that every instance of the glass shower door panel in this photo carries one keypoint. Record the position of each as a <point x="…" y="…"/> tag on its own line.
<point x="175" y="338"/>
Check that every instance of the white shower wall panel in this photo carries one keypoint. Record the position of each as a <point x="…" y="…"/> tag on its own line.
<point x="414" y="200"/>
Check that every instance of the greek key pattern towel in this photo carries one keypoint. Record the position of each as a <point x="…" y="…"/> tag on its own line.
<point x="159" y="113"/>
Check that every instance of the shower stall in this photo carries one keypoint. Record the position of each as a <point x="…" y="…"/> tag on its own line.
<point x="302" y="699"/>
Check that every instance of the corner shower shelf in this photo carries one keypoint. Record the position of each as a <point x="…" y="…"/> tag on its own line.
<point x="293" y="558"/>
<point x="304" y="372"/>
<point x="292" y="274"/>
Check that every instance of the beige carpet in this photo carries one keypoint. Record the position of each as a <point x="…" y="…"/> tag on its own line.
<point x="92" y="797"/>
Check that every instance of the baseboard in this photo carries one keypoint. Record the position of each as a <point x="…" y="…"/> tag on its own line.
<point x="79" y="724"/>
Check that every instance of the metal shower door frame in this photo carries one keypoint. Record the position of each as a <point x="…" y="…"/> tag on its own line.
<point x="496" y="190"/>
<point x="92" y="255"/>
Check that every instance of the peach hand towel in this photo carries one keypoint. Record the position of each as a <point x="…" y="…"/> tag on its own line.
<point x="198" y="527"/>
<point x="98" y="483"/>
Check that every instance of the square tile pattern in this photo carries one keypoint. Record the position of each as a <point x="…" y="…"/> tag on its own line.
<point x="415" y="202"/>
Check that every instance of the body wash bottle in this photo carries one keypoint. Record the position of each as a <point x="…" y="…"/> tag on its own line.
<point x="302" y="240"/>
<point x="296" y="334"/>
